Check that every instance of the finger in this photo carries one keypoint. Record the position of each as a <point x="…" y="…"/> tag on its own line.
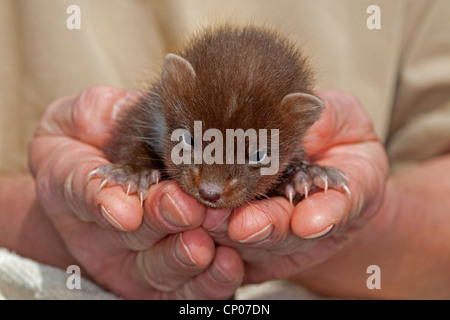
<point x="61" y="164"/>
<point x="220" y="281"/>
<point x="366" y="166"/>
<point x="216" y="223"/>
<point x="333" y="127"/>
<point x="318" y="215"/>
<point x="63" y="187"/>
<point x="174" y="260"/>
<point x="264" y="223"/>
<point x="167" y="210"/>
<point x="73" y="116"/>
<point x="344" y="137"/>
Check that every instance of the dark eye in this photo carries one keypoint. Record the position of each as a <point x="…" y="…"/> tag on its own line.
<point x="257" y="157"/>
<point x="188" y="140"/>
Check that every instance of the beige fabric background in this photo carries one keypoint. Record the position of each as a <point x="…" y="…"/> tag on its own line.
<point x="401" y="73"/>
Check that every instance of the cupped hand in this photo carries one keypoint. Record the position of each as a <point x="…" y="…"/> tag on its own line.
<point x="277" y="240"/>
<point x="155" y="251"/>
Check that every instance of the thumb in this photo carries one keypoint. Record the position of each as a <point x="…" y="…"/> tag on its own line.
<point x="343" y="121"/>
<point x="73" y="116"/>
<point x="65" y="149"/>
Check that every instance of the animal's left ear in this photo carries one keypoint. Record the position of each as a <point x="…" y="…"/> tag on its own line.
<point x="306" y="107"/>
<point x="177" y="70"/>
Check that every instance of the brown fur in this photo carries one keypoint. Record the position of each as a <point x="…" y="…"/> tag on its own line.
<point x="242" y="75"/>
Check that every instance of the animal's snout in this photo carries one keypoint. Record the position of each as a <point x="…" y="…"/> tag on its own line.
<point x="210" y="191"/>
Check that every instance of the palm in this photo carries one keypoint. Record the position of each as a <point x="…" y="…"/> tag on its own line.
<point x="135" y="252"/>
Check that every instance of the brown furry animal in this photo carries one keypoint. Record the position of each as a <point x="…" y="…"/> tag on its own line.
<point x="227" y="78"/>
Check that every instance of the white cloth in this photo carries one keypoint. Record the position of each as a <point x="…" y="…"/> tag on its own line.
<point x="22" y="278"/>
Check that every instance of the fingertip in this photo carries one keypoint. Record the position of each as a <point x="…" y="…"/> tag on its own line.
<point x="224" y="275"/>
<point x="227" y="266"/>
<point x="112" y="207"/>
<point x="195" y="248"/>
<point x="216" y="220"/>
<point x="218" y="280"/>
<point x="100" y="104"/>
<point x="172" y="207"/>
<point x="260" y="220"/>
<point x="121" y="212"/>
<point x="174" y="260"/>
<point x="318" y="215"/>
<point x="95" y="104"/>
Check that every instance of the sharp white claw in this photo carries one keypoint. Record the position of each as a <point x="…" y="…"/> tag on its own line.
<point x="104" y="182"/>
<point x="91" y="174"/>
<point x="347" y="190"/>
<point x="325" y="188"/>
<point x="141" y="197"/>
<point x="128" y="190"/>
<point x="306" y="191"/>
<point x="290" y="192"/>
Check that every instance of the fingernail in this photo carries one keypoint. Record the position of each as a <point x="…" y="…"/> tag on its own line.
<point x="216" y="220"/>
<point x="260" y="235"/>
<point x="108" y="217"/>
<point x="182" y="252"/>
<point x="319" y="234"/>
<point x="218" y="274"/>
<point x="171" y="212"/>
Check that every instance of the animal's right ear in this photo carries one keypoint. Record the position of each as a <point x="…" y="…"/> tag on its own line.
<point x="304" y="107"/>
<point x="176" y="69"/>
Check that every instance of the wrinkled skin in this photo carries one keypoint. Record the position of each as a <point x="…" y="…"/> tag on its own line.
<point x="165" y="249"/>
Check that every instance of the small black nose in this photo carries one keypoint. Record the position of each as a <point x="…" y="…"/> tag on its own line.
<point x="210" y="191"/>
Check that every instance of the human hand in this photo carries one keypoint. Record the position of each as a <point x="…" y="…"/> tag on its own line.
<point x="276" y="240"/>
<point x="156" y="251"/>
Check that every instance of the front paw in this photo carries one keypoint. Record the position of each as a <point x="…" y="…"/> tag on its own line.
<point x="302" y="180"/>
<point x="132" y="181"/>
